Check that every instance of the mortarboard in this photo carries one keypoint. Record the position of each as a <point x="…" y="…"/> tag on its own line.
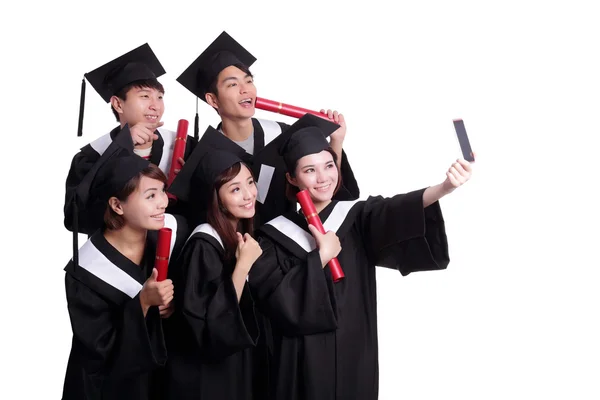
<point x="306" y="136"/>
<point x="223" y="52"/>
<point x="138" y="64"/>
<point x="194" y="183"/>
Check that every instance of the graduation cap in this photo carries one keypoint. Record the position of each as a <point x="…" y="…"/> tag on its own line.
<point x="195" y="182"/>
<point x="117" y="166"/>
<point x="138" y="64"/>
<point x="223" y="52"/>
<point x="307" y="136"/>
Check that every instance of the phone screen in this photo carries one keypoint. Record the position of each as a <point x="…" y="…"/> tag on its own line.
<point x="463" y="140"/>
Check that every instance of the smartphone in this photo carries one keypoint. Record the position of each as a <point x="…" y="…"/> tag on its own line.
<point x="463" y="140"/>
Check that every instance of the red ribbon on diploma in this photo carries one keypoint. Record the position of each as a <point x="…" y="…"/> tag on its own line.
<point x="285" y="109"/>
<point x="178" y="151"/>
<point x="163" y="248"/>
<point x="312" y="217"/>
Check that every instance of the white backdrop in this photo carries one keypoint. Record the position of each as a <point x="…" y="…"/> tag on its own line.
<point x="515" y="314"/>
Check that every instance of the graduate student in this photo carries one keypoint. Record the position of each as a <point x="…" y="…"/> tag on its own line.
<point x="220" y="76"/>
<point x="325" y="333"/>
<point x="114" y="300"/>
<point x="212" y="334"/>
<point x="129" y="83"/>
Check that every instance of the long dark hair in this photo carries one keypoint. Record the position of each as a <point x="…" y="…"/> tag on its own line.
<point x="217" y="215"/>
<point x="291" y="190"/>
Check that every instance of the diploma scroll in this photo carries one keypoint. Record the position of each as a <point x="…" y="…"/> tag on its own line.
<point x="286" y="109"/>
<point x="163" y="248"/>
<point x="312" y="217"/>
<point x="178" y="151"/>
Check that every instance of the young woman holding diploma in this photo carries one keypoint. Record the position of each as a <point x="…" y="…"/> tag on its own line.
<point x="212" y="335"/>
<point x="114" y="299"/>
<point x="325" y="333"/>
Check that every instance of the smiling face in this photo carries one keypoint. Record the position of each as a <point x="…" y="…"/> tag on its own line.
<point x="238" y="196"/>
<point x="235" y="94"/>
<point x="145" y="207"/>
<point x="140" y="104"/>
<point x="318" y="174"/>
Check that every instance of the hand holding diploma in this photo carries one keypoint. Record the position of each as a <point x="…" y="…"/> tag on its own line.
<point x="155" y="293"/>
<point x="312" y="217"/>
<point x="163" y="248"/>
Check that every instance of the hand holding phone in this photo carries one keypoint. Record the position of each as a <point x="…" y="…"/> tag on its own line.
<point x="463" y="140"/>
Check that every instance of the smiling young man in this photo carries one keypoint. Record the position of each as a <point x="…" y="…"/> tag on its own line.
<point x="129" y="83"/>
<point x="220" y="76"/>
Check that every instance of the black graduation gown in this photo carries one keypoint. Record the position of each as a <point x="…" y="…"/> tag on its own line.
<point x="210" y="337"/>
<point x="116" y="352"/>
<point x="91" y="219"/>
<point x="269" y="168"/>
<point x="115" y="349"/>
<point x="325" y="333"/>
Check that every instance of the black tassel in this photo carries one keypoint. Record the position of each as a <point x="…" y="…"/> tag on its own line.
<point x="196" y="122"/>
<point x="81" y="107"/>
<point x="75" y="233"/>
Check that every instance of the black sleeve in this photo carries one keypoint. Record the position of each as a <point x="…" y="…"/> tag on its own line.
<point x="399" y="233"/>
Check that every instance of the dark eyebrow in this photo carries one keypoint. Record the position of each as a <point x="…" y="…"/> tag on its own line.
<point x="230" y="78"/>
<point x="233" y="183"/>
<point x="147" y="190"/>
